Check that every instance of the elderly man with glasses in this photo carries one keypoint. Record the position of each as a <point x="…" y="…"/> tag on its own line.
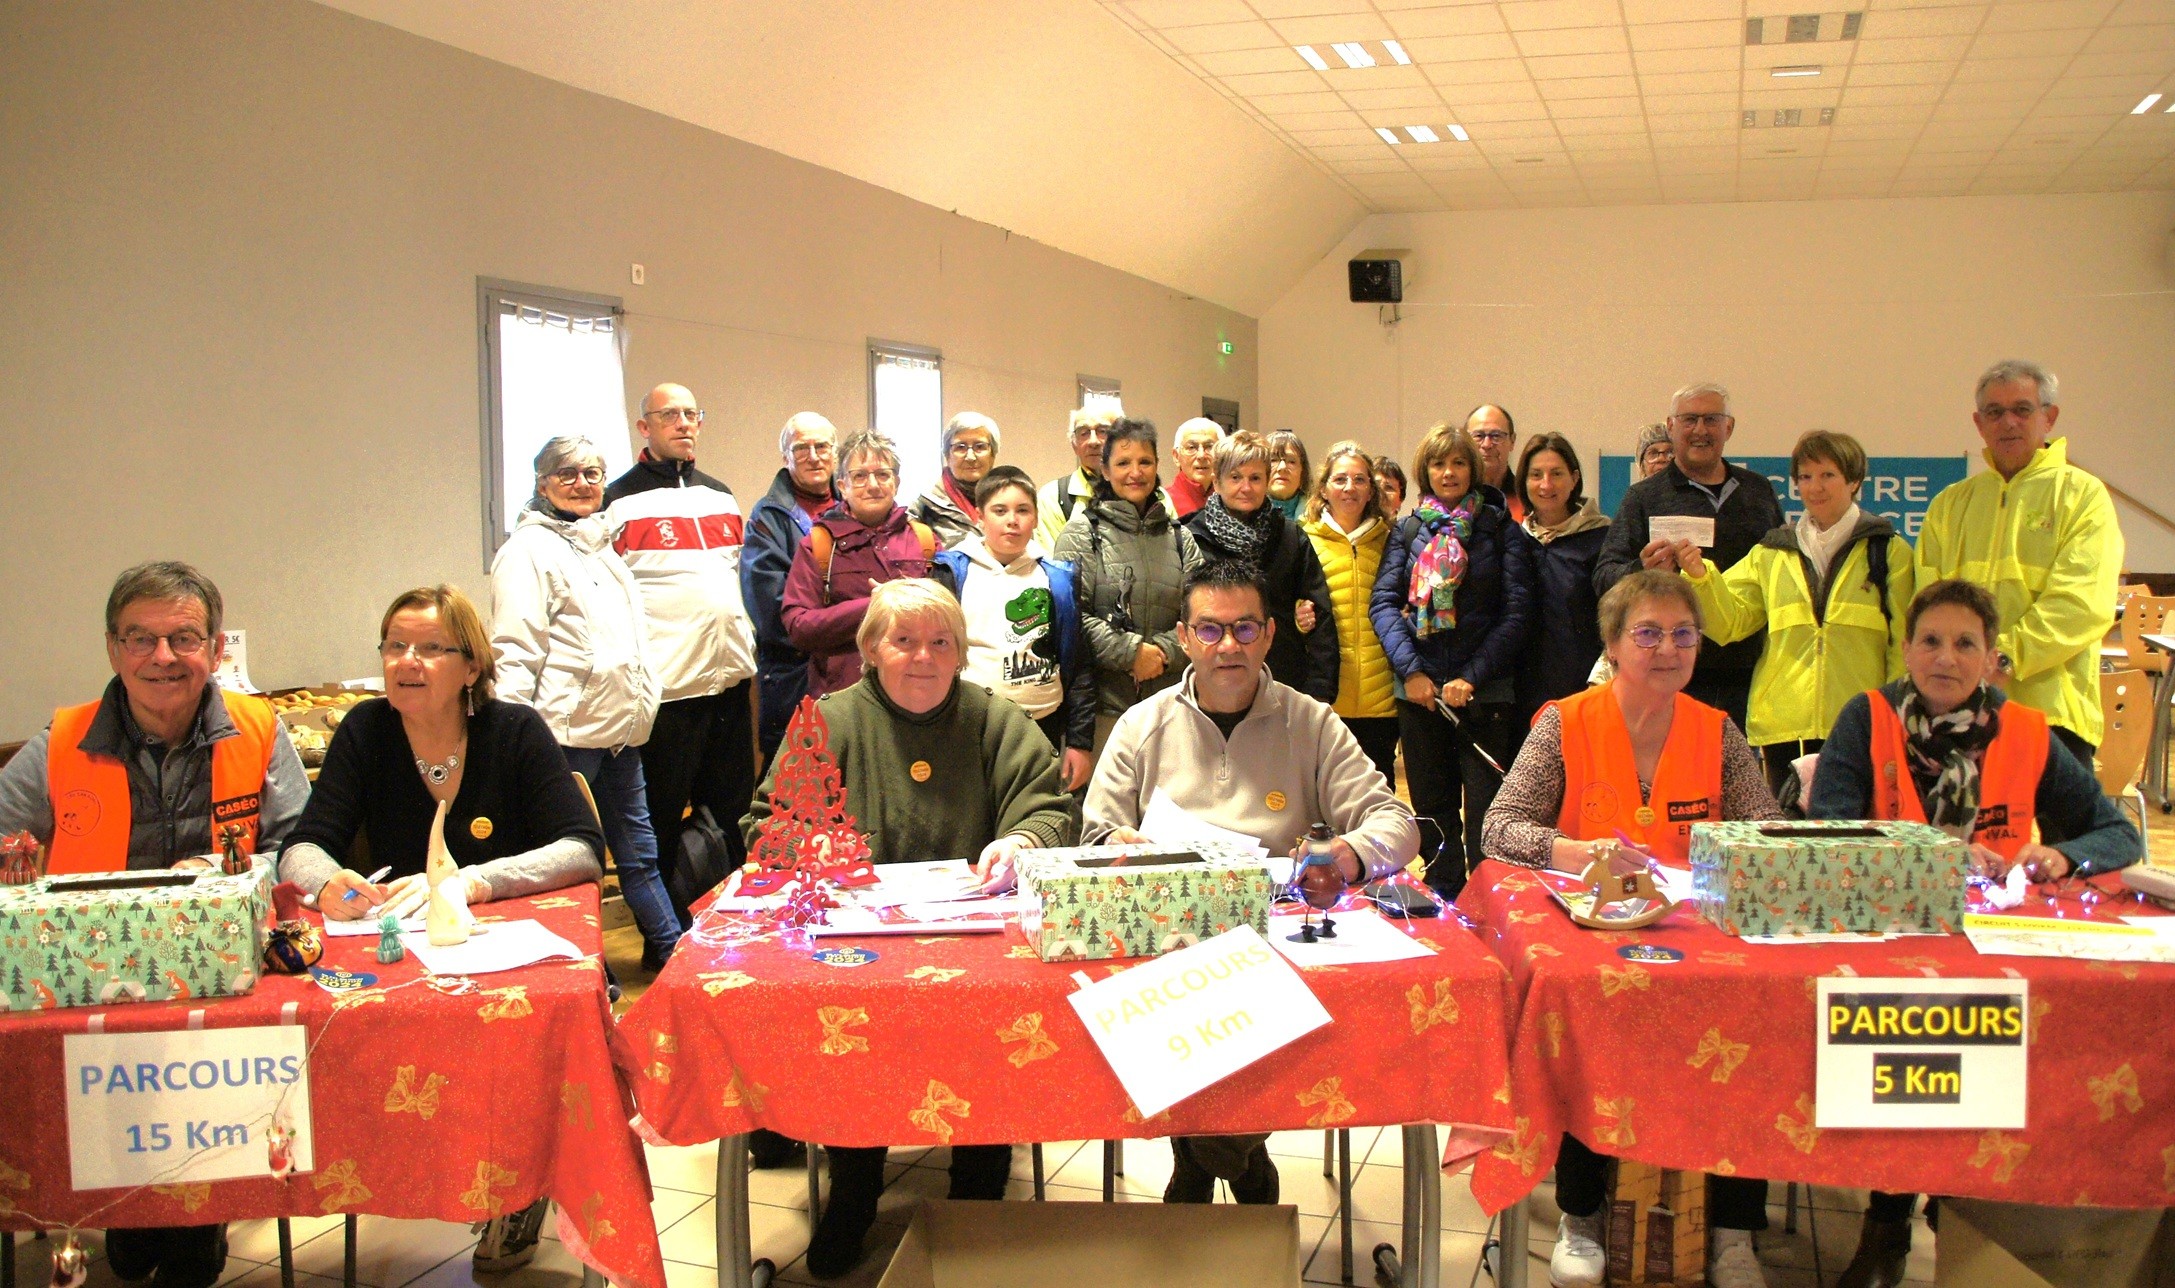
<point x="1723" y="509"/>
<point x="805" y="489"/>
<point x="154" y="774"/>
<point x="2042" y="535"/>
<point x="1059" y="497"/>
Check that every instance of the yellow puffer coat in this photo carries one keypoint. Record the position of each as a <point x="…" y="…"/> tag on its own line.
<point x="1365" y="687"/>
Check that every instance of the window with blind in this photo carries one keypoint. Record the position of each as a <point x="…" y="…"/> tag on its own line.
<point x="906" y="405"/>
<point x="553" y="364"/>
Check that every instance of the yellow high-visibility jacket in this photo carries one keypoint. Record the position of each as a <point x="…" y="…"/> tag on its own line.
<point x="2048" y="545"/>
<point x="1818" y="655"/>
<point x="1365" y="686"/>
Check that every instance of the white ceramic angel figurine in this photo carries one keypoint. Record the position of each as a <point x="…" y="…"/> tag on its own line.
<point x="446" y="922"/>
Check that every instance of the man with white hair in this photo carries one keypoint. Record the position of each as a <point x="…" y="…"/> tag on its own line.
<point x="1193" y="466"/>
<point x="801" y="492"/>
<point x="1058" y="498"/>
<point x="680" y="532"/>
<point x="2042" y="535"/>
<point x="1723" y="509"/>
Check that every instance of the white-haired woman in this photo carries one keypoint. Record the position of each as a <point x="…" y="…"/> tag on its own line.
<point x="947" y="508"/>
<point x="566" y="622"/>
<point x="931" y="767"/>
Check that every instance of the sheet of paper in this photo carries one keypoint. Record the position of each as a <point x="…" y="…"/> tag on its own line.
<point x="1675" y="883"/>
<point x="952" y="909"/>
<point x="1362" y="936"/>
<point x="938" y="881"/>
<point x="233" y="672"/>
<point x="1682" y="527"/>
<point x="510" y="945"/>
<point x="1165" y="822"/>
<point x="366" y="926"/>
<point x="2106" y="941"/>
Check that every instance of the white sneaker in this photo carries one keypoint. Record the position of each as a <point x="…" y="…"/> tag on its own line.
<point x="1733" y="1263"/>
<point x="1578" y="1261"/>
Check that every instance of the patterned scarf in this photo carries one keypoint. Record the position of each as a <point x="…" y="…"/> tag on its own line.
<point x="1441" y="562"/>
<point x="1246" y="536"/>
<point x="1945" y="752"/>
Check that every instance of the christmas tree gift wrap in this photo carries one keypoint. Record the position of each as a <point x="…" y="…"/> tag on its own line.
<point x="1098" y="901"/>
<point x="1820" y="877"/>
<point x="132" y="937"/>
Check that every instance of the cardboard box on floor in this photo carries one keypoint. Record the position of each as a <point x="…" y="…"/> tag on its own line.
<point x="1021" y="1245"/>
<point x="1984" y="1244"/>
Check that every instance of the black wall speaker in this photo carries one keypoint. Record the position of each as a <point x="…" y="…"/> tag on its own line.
<point x="1377" y="281"/>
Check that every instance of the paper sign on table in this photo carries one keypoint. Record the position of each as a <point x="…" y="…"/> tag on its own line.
<point x="1921" y="1053"/>
<point x="2075" y="937"/>
<point x="510" y="945"/>
<point x="1362" y="936"/>
<point x="1682" y="527"/>
<point x="1187" y="1020"/>
<point x="189" y="1105"/>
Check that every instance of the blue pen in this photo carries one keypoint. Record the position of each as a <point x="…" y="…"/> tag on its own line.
<point x="373" y="879"/>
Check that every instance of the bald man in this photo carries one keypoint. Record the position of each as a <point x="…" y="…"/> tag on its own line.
<point x="1495" y="434"/>
<point x="680" y="532"/>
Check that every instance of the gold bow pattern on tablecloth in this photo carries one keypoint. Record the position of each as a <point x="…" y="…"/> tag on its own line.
<point x="1523" y="1149"/>
<point x="2004" y="1151"/>
<point x="1631" y="977"/>
<point x="835" y="1021"/>
<point x="1329" y="1094"/>
<point x="341" y="1187"/>
<point x="484" y="1194"/>
<point x="361" y="997"/>
<point x="593" y="1225"/>
<point x="1027" y="1029"/>
<point x="11" y="1179"/>
<point x="2117" y="1087"/>
<point x="1799" y="1131"/>
<point x="556" y="901"/>
<point x="1552" y="1024"/>
<point x="1536" y="951"/>
<point x="1709" y="957"/>
<point x="405" y="1097"/>
<point x="574" y="1102"/>
<point x="191" y="1196"/>
<point x="512" y="1004"/>
<point x="1616" y="1130"/>
<point x="1426" y="1014"/>
<point x="2167" y="1177"/>
<point x="1725" y="1054"/>
<point x="936" y="1103"/>
<point x="715" y="982"/>
<point x="740" y="1092"/>
<point x="936" y="974"/>
<point x="2040" y="1007"/>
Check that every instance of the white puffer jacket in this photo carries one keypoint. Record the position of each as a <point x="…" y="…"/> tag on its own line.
<point x="567" y="623"/>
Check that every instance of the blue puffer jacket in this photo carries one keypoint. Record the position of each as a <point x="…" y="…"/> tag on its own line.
<point x="1494" y="602"/>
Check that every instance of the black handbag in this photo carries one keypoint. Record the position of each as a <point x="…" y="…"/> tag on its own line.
<point x="706" y="858"/>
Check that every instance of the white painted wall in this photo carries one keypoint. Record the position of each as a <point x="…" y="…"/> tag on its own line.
<point x="242" y="241"/>
<point x="1874" y="317"/>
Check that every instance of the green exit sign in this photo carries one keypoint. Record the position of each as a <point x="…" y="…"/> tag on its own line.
<point x="1227" y="347"/>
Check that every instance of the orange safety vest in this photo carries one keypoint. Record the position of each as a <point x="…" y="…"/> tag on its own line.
<point x="1601" y="777"/>
<point x="91" y="815"/>
<point x="2009" y="775"/>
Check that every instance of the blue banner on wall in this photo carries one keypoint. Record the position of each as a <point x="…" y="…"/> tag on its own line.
<point x="1896" y="487"/>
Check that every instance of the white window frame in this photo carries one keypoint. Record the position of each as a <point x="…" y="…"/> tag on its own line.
<point x="920" y="464"/>
<point x="492" y="296"/>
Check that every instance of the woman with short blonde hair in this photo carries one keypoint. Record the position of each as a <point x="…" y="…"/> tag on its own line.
<point x="1349" y="531"/>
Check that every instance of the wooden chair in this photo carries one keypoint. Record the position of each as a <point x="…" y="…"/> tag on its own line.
<point x="2144" y="615"/>
<point x="2125" y="699"/>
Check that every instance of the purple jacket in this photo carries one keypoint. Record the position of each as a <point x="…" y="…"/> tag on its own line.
<point x="821" y="620"/>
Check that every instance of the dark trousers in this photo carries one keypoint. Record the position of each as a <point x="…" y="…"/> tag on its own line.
<point x="1377" y="737"/>
<point x="1890" y="1207"/>
<point x="1729" y="690"/>
<point x="1451" y="785"/>
<point x="780" y="685"/>
<point x="978" y="1172"/>
<point x="1582" y="1186"/>
<point x="190" y="1255"/>
<point x="701" y="751"/>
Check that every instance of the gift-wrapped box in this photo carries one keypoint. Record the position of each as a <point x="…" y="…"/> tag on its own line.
<point x="132" y="937"/>
<point x="1820" y="877"/>
<point x="1097" y="901"/>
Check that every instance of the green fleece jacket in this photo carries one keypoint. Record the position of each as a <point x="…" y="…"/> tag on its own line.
<point x="989" y="773"/>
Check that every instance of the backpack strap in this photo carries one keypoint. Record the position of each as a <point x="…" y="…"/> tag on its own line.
<point x="1067" y="499"/>
<point x="927" y="536"/>
<point x="1876" y="572"/>
<point x="821" y="546"/>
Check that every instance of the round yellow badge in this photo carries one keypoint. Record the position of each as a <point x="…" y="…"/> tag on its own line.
<point x="480" y="828"/>
<point x="1276" y="800"/>
<point x="919" y="770"/>
<point x="1645" y="815"/>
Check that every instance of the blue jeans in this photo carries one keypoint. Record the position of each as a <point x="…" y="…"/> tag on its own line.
<point x="615" y="778"/>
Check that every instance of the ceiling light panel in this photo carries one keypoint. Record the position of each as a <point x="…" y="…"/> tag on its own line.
<point x="1802" y="28"/>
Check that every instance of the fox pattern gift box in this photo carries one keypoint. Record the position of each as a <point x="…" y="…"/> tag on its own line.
<point x="1094" y="901"/>
<point x="1826" y="876"/>
<point x="132" y="937"/>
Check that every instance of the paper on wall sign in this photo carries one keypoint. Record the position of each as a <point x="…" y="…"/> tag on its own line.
<point x="233" y="672"/>
<point x="1185" y="1021"/>
<point x="1682" y="527"/>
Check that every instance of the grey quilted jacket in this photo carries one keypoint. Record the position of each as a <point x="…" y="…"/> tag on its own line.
<point x="1131" y="567"/>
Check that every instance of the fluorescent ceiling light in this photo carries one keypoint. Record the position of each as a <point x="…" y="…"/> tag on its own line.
<point x="1795" y="71"/>
<point x="1423" y="134"/>
<point x="2145" y="106"/>
<point x="1354" y="54"/>
<point x="1314" y="60"/>
<point x="1458" y="132"/>
<point x="1397" y="53"/>
<point x="1389" y="135"/>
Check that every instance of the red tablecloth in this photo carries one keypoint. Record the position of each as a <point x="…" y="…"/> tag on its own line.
<point x="1707" y="1063"/>
<point x="969" y="1040"/>
<point x="453" y="1108"/>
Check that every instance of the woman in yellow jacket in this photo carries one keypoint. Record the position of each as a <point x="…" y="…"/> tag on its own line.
<point x="1830" y="591"/>
<point x="1349" y="530"/>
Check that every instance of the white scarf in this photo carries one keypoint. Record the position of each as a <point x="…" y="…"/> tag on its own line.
<point x="1822" y="547"/>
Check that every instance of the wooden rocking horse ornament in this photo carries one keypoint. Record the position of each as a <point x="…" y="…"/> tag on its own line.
<point x="1613" y="889"/>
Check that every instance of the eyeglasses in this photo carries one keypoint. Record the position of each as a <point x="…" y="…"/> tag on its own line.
<point x="1245" y="630"/>
<point x="1490" y="436"/>
<point x="965" y="448"/>
<point x="1656" y="452"/>
<point x="673" y="415"/>
<point x="872" y="478"/>
<point x="182" y="643"/>
<point x="427" y="651"/>
<point x="1693" y="420"/>
<point x="2021" y="411"/>
<point x="811" y="451"/>
<point x="573" y="474"/>
<point x="1685" y="638"/>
